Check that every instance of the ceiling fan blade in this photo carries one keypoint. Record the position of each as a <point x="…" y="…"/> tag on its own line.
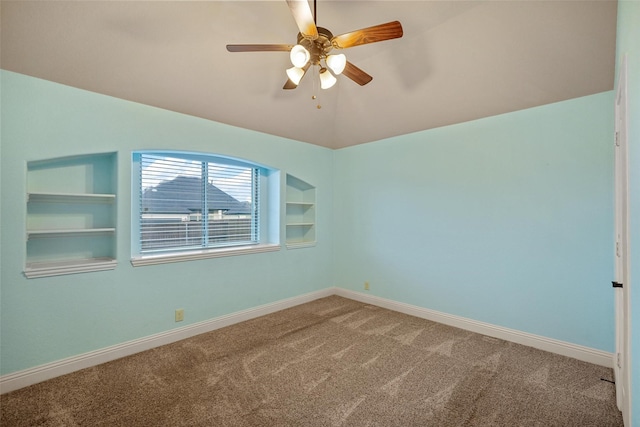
<point x="377" y="33"/>
<point x="356" y="74"/>
<point x="259" y="47"/>
<point x="289" y="85"/>
<point x="304" y="19"/>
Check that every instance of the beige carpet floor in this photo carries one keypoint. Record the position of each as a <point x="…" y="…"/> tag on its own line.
<point x="331" y="362"/>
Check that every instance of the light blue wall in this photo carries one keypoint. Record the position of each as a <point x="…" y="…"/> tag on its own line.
<point x="506" y="220"/>
<point x="628" y="42"/>
<point x="47" y="319"/>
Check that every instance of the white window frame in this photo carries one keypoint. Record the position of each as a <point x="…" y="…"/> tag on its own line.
<point x="268" y="228"/>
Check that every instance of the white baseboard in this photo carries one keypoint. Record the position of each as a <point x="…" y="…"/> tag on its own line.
<point x="27" y="377"/>
<point x="586" y="354"/>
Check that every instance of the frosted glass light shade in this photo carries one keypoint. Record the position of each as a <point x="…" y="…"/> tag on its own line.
<point x="337" y="63"/>
<point x="295" y="74"/>
<point x="326" y="79"/>
<point x="299" y="56"/>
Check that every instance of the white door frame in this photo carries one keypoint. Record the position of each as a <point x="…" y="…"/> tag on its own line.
<point x="622" y="358"/>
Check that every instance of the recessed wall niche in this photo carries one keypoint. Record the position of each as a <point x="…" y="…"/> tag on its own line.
<point x="71" y="215"/>
<point x="301" y="213"/>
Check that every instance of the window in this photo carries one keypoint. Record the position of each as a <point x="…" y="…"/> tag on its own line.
<point x="193" y="205"/>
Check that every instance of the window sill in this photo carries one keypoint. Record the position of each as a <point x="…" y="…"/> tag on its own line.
<point x="202" y="254"/>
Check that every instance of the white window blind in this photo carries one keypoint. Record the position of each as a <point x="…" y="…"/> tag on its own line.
<point x="195" y="202"/>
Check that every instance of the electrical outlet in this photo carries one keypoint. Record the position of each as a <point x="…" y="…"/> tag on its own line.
<point x="180" y="315"/>
<point x="366" y="286"/>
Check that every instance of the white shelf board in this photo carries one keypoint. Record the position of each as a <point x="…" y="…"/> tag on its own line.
<point x="299" y="245"/>
<point x="68" y="232"/>
<point x="301" y="203"/>
<point x="70" y="197"/>
<point x="58" y="268"/>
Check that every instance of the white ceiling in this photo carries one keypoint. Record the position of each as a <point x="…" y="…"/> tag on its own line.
<point x="457" y="60"/>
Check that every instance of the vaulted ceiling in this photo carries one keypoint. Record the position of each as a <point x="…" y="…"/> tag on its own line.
<point x="457" y="60"/>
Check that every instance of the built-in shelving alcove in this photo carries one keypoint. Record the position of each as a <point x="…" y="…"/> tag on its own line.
<point x="71" y="215"/>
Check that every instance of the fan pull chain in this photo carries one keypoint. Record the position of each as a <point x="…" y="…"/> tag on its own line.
<point x="315" y="90"/>
<point x="318" y="106"/>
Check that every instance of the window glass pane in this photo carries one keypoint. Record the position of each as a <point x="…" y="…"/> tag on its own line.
<point x="187" y="203"/>
<point x="171" y="203"/>
<point x="231" y="204"/>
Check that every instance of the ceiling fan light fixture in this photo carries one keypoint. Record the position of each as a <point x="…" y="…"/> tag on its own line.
<point x="337" y="63"/>
<point x="295" y="74"/>
<point x="314" y="44"/>
<point x="326" y="79"/>
<point x="299" y="56"/>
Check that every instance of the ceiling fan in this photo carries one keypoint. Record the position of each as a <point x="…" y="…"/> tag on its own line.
<point x="315" y="44"/>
